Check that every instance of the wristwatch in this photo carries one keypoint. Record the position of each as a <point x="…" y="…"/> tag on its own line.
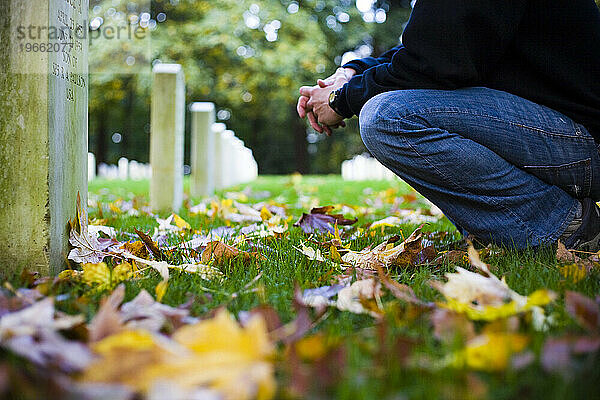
<point x="333" y="97"/>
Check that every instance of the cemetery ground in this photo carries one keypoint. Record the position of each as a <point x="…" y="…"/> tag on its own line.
<point x="255" y="307"/>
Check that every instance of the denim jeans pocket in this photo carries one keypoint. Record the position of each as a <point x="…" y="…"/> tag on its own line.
<point x="574" y="178"/>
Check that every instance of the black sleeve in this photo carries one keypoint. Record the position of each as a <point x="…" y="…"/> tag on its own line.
<point x="363" y="64"/>
<point x="447" y="44"/>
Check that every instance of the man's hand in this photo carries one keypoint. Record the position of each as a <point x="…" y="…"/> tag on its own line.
<point x="341" y="74"/>
<point x="317" y="102"/>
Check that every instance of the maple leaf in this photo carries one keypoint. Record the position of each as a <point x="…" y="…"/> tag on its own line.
<point x="485" y="297"/>
<point x="388" y="254"/>
<point x="102" y="277"/>
<point x="319" y="220"/>
<point x="217" y="354"/>
<point x="87" y="247"/>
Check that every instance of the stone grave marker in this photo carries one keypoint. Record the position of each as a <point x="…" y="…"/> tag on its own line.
<point x="167" y="137"/>
<point x="219" y="129"/>
<point x="43" y="129"/>
<point x="203" y="149"/>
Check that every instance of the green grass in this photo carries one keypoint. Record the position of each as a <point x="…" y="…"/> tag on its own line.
<point x="371" y="366"/>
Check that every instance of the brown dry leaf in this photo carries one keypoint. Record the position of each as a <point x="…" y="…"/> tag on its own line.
<point x="476" y="261"/>
<point x="584" y="310"/>
<point x="220" y="252"/>
<point x="107" y="320"/>
<point x="137" y="248"/>
<point x="564" y="255"/>
<point x="451" y="257"/>
<point x="400" y="291"/>
<point x="151" y="245"/>
<point x="223" y="253"/>
<point x="388" y="254"/>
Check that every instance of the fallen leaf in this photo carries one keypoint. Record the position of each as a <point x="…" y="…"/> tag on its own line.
<point x="492" y="351"/>
<point x="564" y="255"/>
<point x="161" y="290"/>
<point x="319" y="220"/>
<point x="33" y="333"/>
<point x="87" y="248"/>
<point x="101" y="277"/>
<point x="150" y="245"/>
<point x="107" y="320"/>
<point x="235" y="361"/>
<point x="350" y="298"/>
<point x="485" y="297"/>
<point x="574" y="272"/>
<point x="584" y="310"/>
<point x="219" y="252"/>
<point x="388" y="254"/>
<point x="181" y="223"/>
<point x="312" y="254"/>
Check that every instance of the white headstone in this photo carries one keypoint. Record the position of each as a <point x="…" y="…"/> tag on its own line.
<point x="218" y="130"/>
<point x="167" y="137"/>
<point x="43" y="129"/>
<point x="123" y="166"/>
<point x="202" y="150"/>
<point x="91" y="166"/>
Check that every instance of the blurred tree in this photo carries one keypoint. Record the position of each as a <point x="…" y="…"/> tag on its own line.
<point x="247" y="56"/>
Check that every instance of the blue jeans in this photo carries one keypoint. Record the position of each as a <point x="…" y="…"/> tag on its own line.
<point x="500" y="167"/>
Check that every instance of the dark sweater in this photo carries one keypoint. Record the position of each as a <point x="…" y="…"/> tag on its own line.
<point x="547" y="51"/>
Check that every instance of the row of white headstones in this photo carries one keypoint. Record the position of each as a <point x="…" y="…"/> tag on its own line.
<point x="365" y="168"/>
<point x="244" y="168"/>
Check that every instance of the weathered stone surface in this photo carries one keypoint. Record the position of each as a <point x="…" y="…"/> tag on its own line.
<point x="43" y="130"/>
<point x="203" y="149"/>
<point x="167" y="137"/>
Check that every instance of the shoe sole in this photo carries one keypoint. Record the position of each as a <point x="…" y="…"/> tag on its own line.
<point x="591" y="246"/>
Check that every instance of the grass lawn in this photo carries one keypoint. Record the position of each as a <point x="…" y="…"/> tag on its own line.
<point x="404" y="353"/>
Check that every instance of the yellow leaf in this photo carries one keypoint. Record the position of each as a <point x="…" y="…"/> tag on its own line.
<point x="161" y="290"/>
<point x="574" y="272"/>
<point x="311" y="348"/>
<point x="181" y="223"/>
<point x="335" y="255"/>
<point x="125" y="341"/>
<point x="223" y="334"/>
<point x="114" y="208"/>
<point x="122" y="272"/>
<point x="492" y="351"/>
<point x="217" y="354"/>
<point x="265" y="214"/>
<point x="96" y="274"/>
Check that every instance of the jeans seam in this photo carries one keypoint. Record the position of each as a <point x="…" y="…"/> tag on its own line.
<point x="563" y="227"/>
<point x="578" y="136"/>
<point x="520" y="221"/>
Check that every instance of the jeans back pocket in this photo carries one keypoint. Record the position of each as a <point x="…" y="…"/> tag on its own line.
<point x="574" y="178"/>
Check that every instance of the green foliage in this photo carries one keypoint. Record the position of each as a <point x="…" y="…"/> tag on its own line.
<point x="227" y="62"/>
